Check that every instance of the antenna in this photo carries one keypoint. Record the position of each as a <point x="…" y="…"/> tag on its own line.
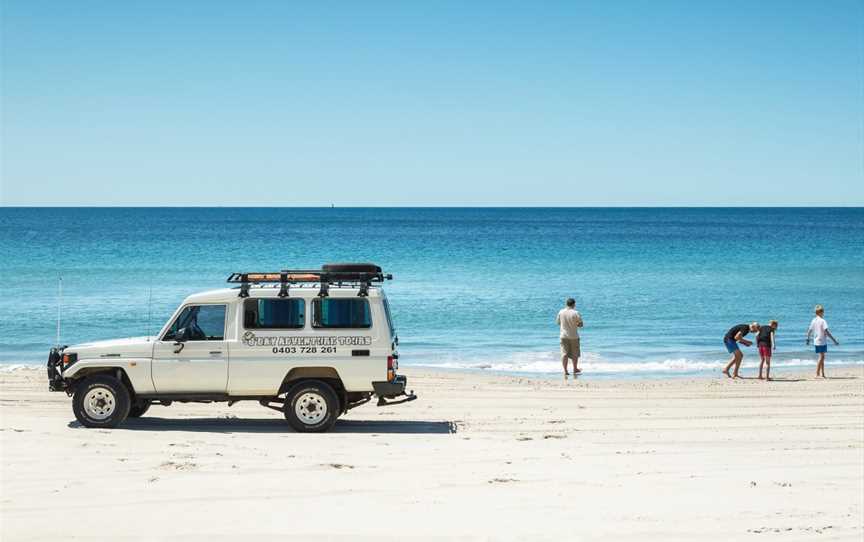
<point x="59" y="303"/>
<point x="149" y="304"/>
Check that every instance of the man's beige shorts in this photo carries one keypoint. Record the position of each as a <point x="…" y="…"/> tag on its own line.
<point x="570" y="348"/>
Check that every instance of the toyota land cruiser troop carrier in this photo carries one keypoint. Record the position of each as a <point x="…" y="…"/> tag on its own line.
<point x="311" y="344"/>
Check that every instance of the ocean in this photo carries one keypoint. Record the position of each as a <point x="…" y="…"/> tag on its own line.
<point x="473" y="288"/>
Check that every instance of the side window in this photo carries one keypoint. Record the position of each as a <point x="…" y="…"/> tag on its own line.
<point x="202" y="322"/>
<point x="274" y="313"/>
<point x="352" y="312"/>
<point x="179" y="323"/>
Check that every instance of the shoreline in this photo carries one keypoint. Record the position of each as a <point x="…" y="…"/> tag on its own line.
<point x="782" y="371"/>
<point x="749" y="366"/>
<point x="476" y="456"/>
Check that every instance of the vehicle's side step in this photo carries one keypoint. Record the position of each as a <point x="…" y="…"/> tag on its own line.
<point x="355" y="404"/>
<point x="267" y="403"/>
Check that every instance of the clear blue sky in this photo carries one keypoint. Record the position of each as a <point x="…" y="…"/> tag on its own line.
<point x="432" y="103"/>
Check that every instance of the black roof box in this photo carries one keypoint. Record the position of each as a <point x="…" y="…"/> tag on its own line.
<point x="351" y="268"/>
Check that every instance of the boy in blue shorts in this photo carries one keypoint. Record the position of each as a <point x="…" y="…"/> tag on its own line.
<point x="819" y="331"/>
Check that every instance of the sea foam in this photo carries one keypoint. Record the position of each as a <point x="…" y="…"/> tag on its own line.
<point x="542" y="363"/>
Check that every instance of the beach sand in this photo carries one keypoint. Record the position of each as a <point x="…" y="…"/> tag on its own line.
<point x="477" y="457"/>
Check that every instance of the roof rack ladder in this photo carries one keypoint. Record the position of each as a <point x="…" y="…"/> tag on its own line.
<point x="284" y="286"/>
<point x="244" y="285"/>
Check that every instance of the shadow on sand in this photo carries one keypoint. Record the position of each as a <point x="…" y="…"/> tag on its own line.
<point x="773" y="379"/>
<point x="814" y="379"/>
<point x="237" y="425"/>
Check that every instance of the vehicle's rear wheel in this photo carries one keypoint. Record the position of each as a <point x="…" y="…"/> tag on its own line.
<point x="311" y="406"/>
<point x="138" y="409"/>
<point x="101" y="401"/>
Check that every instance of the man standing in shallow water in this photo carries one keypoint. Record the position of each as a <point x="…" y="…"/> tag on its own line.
<point x="570" y="321"/>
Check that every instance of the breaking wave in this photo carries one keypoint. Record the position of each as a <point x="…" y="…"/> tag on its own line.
<point x="14" y="367"/>
<point x="548" y="363"/>
<point x="591" y="363"/>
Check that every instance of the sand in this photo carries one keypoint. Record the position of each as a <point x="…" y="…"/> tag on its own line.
<point x="478" y="457"/>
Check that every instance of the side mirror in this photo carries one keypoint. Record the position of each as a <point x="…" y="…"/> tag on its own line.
<point x="180" y="337"/>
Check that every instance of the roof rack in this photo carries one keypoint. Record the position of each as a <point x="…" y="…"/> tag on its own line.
<point x="360" y="275"/>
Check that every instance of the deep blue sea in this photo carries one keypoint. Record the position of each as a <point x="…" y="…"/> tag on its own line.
<point x="473" y="288"/>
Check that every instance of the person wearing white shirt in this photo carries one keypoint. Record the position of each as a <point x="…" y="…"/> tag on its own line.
<point x="569" y="320"/>
<point x="818" y="330"/>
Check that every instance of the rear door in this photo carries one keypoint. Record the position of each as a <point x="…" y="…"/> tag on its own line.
<point x="200" y="364"/>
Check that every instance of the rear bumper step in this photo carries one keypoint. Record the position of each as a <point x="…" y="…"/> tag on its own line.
<point x="393" y="390"/>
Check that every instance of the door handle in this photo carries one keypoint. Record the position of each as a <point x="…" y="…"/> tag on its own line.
<point x="214" y="352"/>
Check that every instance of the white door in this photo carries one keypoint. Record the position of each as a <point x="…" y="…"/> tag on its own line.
<point x="198" y="364"/>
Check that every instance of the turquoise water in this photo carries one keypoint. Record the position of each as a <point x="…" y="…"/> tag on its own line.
<point x="473" y="288"/>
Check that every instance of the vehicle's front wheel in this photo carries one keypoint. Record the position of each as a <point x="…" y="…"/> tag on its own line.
<point x="138" y="409"/>
<point x="101" y="401"/>
<point x="311" y="406"/>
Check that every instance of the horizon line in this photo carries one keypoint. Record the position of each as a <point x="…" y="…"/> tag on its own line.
<point x="333" y="206"/>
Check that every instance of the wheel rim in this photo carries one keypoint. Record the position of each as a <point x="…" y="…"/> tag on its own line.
<point x="99" y="403"/>
<point x="310" y="408"/>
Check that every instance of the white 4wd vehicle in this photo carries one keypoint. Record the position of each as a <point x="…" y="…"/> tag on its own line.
<point x="311" y="344"/>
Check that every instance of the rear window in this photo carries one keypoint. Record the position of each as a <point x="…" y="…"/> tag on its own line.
<point x="351" y="312"/>
<point x="389" y="318"/>
<point x="274" y="314"/>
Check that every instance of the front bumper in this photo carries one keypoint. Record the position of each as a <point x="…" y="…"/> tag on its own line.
<point x="393" y="390"/>
<point x="55" y="367"/>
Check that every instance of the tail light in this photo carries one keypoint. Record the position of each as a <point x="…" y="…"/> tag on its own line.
<point x="392" y="365"/>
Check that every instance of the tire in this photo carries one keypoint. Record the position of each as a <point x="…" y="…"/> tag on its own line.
<point x="101" y="401"/>
<point x="311" y="406"/>
<point x="138" y="409"/>
<point x="351" y="268"/>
